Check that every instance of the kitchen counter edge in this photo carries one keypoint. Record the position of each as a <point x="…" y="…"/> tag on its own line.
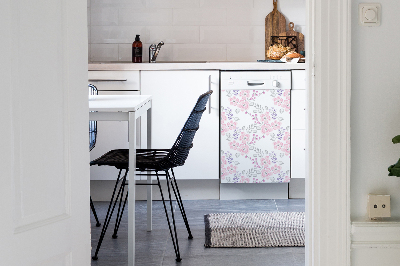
<point x="194" y="66"/>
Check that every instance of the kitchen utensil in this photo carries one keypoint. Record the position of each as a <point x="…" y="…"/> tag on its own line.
<point x="292" y="32"/>
<point x="275" y="23"/>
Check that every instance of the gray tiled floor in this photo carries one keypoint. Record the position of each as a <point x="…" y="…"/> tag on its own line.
<point x="155" y="248"/>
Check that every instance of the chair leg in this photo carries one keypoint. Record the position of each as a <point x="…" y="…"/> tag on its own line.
<point x="120" y="211"/>
<point x="94" y="213"/>
<point x="109" y="212"/>
<point x="174" y="185"/>
<point x="174" y="239"/>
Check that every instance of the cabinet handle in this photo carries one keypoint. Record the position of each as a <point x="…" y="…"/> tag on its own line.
<point x="254" y="83"/>
<point x="209" y="99"/>
<point x="100" y="80"/>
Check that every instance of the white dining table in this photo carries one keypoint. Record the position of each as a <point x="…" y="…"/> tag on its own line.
<point x="127" y="108"/>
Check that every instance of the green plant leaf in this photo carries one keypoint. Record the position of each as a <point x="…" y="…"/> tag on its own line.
<point x="394" y="170"/>
<point x="396" y="139"/>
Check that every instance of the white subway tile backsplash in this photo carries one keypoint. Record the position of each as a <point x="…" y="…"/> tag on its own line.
<point x="246" y="17"/>
<point x="300" y="28"/>
<point x="119" y="3"/>
<point x="199" y="52"/>
<point x="125" y="52"/>
<point x="192" y="30"/>
<point x="294" y="10"/>
<point x="105" y="16"/>
<point x="245" y="52"/>
<point x="224" y="34"/>
<point x="214" y="3"/>
<point x="172" y="3"/>
<point x="89" y="52"/>
<point x="258" y="35"/>
<point x="145" y="17"/>
<point x="173" y="34"/>
<point x="199" y="16"/>
<point x="104" y="52"/>
<point x="239" y="4"/>
<point x="226" y="3"/>
<point x="265" y="5"/>
<point x="115" y="34"/>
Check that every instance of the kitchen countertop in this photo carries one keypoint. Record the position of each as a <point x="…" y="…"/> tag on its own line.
<point x="195" y="66"/>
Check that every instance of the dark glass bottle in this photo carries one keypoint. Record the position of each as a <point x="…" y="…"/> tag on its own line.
<point x="137" y="50"/>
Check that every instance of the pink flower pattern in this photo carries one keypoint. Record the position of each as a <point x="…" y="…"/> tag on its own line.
<point x="244" y="137"/>
<point x="265" y="118"/>
<point x="255" y="136"/>
<point x="278" y="101"/>
<point x="234" y="145"/>
<point x="231" y="125"/>
<point x="244" y="105"/>
<point x="244" y="94"/>
<point x="244" y="149"/>
<point x="234" y="101"/>
<point x="265" y="162"/>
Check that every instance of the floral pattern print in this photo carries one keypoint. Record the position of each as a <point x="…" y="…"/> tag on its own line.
<point x="255" y="136"/>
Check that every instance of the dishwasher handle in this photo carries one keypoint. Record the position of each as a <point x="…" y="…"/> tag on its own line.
<point x="249" y="83"/>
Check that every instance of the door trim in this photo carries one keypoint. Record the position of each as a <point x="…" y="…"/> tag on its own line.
<point x="328" y="120"/>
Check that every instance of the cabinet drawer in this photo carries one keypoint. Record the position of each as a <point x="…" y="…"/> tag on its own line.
<point x="115" y="80"/>
<point x="298" y="154"/>
<point x="298" y="109"/>
<point x="298" y="79"/>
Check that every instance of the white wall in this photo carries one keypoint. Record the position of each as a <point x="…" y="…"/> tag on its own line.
<point x="193" y="30"/>
<point x="375" y="108"/>
<point x="375" y="120"/>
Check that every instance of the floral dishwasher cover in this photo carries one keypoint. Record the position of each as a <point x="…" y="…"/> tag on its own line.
<point x="255" y="136"/>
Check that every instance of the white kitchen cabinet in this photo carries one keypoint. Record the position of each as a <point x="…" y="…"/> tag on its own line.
<point x="174" y="96"/>
<point x="298" y="109"/>
<point x="298" y="125"/>
<point x="298" y="153"/>
<point x="112" y="134"/>
<point x="298" y="79"/>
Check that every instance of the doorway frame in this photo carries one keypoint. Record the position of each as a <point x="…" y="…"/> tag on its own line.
<point x="328" y="223"/>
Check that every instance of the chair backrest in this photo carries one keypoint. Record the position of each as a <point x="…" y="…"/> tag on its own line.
<point x="180" y="150"/>
<point x="92" y="124"/>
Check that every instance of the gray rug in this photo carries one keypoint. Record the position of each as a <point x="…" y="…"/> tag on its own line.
<point x="271" y="229"/>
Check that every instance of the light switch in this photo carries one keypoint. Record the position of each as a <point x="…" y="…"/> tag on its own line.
<point x="369" y="14"/>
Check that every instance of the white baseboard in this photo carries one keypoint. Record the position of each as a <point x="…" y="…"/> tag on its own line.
<point x="101" y="190"/>
<point x="253" y="191"/>
<point x="297" y="188"/>
<point x="375" y="243"/>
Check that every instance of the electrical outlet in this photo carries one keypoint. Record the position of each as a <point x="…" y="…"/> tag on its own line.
<point x="378" y="206"/>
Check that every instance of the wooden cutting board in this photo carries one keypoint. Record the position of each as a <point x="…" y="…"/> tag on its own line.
<point x="275" y="23"/>
<point x="292" y="32"/>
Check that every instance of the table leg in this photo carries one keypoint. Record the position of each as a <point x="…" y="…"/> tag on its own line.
<point x="132" y="190"/>
<point x="149" y="178"/>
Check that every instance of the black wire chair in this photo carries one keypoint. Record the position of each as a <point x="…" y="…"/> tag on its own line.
<point x="154" y="160"/>
<point x="92" y="143"/>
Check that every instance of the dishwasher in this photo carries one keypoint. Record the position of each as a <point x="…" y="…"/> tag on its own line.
<point x="255" y="126"/>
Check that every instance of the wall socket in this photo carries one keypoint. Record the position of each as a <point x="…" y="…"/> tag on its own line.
<point x="378" y="206"/>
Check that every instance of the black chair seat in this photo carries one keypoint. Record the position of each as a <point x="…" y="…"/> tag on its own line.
<point x="146" y="159"/>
